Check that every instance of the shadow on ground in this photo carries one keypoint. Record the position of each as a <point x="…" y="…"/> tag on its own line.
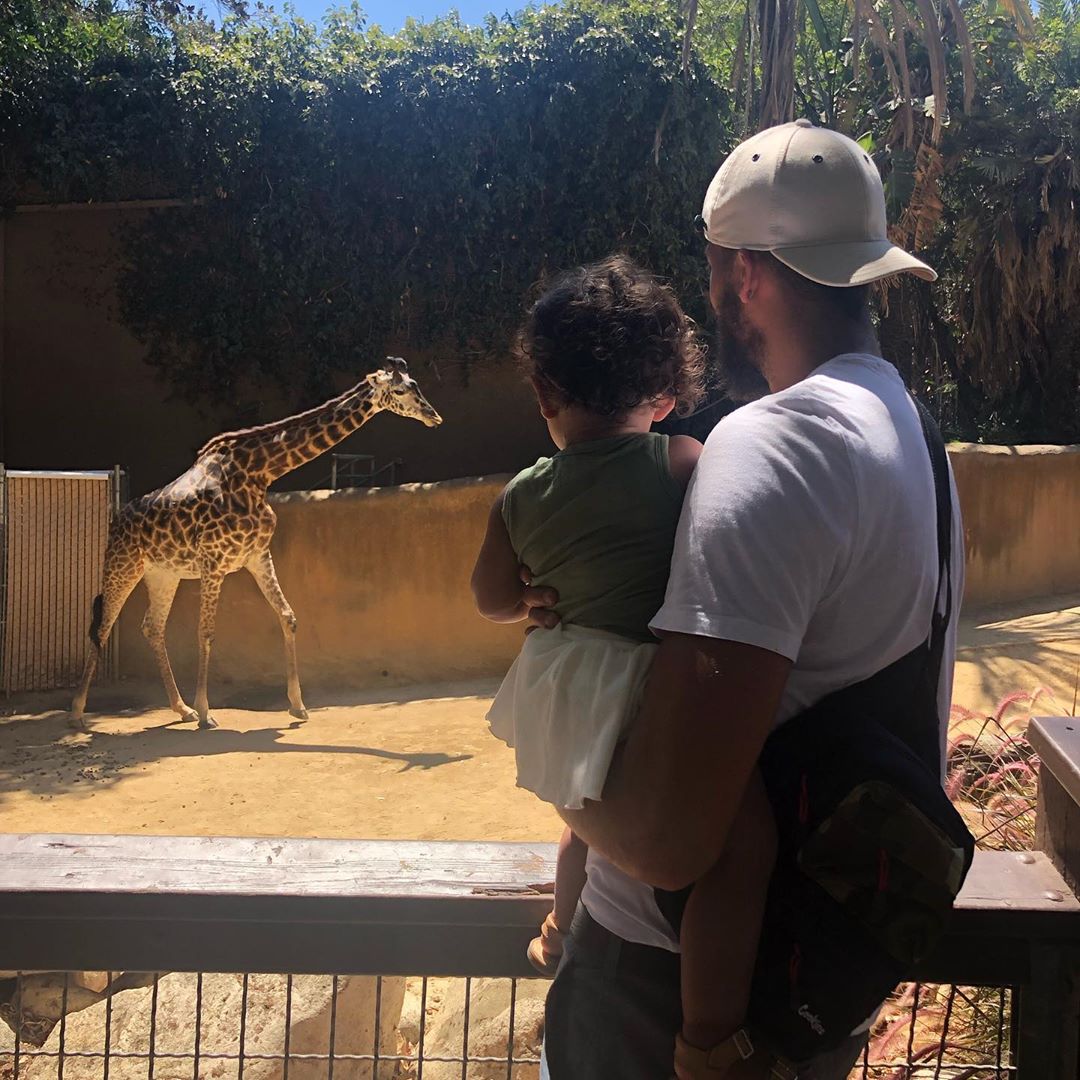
<point x="41" y="755"/>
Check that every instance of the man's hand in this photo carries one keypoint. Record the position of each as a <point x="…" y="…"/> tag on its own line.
<point x="675" y="789"/>
<point x="538" y="601"/>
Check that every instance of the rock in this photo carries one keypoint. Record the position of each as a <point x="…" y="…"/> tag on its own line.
<point x="489" y="1022"/>
<point x="34" y="1001"/>
<point x="132" y="1017"/>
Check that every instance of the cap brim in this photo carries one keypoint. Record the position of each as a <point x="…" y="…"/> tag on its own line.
<point x="853" y="264"/>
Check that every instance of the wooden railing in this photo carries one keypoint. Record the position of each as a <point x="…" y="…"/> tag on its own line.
<point x="142" y="903"/>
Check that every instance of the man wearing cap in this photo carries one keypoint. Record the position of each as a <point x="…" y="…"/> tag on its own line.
<point x="807" y="560"/>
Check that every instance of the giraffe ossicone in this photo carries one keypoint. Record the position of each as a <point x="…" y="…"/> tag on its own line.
<point x="215" y="519"/>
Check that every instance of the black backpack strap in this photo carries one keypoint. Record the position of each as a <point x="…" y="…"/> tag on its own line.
<point x="939" y="463"/>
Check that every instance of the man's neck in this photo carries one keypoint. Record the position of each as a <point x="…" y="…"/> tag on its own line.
<point x="794" y="353"/>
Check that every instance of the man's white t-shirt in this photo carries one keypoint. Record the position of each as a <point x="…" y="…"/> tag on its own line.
<point x="809" y="529"/>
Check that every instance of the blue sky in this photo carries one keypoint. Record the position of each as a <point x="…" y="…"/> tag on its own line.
<point x="391" y="14"/>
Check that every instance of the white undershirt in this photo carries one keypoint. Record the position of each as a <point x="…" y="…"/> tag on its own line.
<point x="808" y="529"/>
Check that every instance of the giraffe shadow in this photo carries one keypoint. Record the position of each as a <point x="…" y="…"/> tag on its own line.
<point x="177" y="739"/>
<point x="40" y="756"/>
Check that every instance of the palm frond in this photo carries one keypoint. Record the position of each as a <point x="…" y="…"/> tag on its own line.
<point x="925" y="206"/>
<point x="690" y="16"/>
<point x="899" y="36"/>
<point x="899" y="186"/>
<point x="817" y="20"/>
<point x="1000" y="170"/>
<point x="880" y="37"/>
<point x="935" y="49"/>
<point x="967" y="52"/>
<point x="1020" y="11"/>
<point x="738" y="65"/>
<point x="856" y="34"/>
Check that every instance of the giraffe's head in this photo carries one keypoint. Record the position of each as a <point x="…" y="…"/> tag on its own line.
<point x="395" y="389"/>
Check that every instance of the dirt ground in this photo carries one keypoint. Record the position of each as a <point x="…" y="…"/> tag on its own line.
<point x="416" y="763"/>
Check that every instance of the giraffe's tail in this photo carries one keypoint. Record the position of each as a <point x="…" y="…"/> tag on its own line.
<point x="95" y="623"/>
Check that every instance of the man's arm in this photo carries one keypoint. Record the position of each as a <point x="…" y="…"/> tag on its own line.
<point x="767" y="528"/>
<point x="673" y="793"/>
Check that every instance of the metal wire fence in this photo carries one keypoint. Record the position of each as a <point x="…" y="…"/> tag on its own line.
<point x="318" y="1027"/>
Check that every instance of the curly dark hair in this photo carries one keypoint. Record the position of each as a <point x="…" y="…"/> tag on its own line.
<point x="610" y="336"/>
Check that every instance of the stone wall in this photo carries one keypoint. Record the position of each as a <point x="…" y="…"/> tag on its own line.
<point x="1021" y="507"/>
<point x="75" y="392"/>
<point x="380" y="579"/>
<point x="406" y="1012"/>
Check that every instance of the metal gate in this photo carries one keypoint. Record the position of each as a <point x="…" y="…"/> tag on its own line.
<point x="53" y="530"/>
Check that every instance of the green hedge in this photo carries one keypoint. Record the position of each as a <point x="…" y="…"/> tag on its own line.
<point x="363" y="191"/>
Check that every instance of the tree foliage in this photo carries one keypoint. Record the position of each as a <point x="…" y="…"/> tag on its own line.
<point x="352" y="192"/>
<point x="358" y="191"/>
<point x="972" y="113"/>
<point x="995" y="207"/>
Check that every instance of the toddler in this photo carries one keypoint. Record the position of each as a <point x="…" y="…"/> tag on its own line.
<point x="609" y="353"/>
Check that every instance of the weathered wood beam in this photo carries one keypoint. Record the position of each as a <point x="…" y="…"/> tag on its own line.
<point x="387" y="907"/>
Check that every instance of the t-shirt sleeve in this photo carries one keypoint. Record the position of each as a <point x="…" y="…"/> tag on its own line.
<point x="765" y="532"/>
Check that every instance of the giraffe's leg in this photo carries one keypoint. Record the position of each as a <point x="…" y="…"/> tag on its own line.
<point x="161" y="587"/>
<point x="209" y="594"/>
<point x="123" y="571"/>
<point x="262" y="570"/>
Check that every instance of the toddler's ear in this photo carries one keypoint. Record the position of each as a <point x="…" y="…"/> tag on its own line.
<point x="546" y="397"/>
<point x="663" y="408"/>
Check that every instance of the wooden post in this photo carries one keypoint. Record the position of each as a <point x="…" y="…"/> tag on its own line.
<point x="116" y="504"/>
<point x="1049" y="1016"/>
<point x="1049" y="1025"/>
<point x="1058" y="823"/>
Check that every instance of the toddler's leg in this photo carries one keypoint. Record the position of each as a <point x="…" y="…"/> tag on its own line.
<point x="721" y="926"/>
<point x="546" y="950"/>
<point x="569" y="878"/>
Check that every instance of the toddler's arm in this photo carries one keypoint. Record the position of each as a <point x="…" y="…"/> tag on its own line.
<point x="497" y="583"/>
<point x="683" y="454"/>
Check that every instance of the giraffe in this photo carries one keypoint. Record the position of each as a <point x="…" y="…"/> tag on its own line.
<point x="215" y="519"/>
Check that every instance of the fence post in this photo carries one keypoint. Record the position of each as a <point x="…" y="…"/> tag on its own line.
<point x="1048" y="1034"/>
<point x="3" y="572"/>
<point x="1049" y="1017"/>
<point x="116" y="503"/>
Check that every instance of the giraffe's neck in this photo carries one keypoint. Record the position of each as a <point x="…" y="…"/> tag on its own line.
<point x="280" y="448"/>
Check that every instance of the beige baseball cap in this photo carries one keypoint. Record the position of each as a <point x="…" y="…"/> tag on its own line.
<point x="814" y="199"/>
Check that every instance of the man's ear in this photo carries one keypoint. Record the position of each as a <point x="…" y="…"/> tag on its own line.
<point x="747" y="272"/>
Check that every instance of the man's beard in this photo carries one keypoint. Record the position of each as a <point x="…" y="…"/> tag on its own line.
<point x="740" y="348"/>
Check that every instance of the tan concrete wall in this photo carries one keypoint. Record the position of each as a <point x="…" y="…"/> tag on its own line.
<point x="1021" y="507"/>
<point x="379" y="579"/>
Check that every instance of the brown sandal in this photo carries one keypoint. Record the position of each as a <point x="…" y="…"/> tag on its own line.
<point x="546" y="951"/>
<point x="735" y="1057"/>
